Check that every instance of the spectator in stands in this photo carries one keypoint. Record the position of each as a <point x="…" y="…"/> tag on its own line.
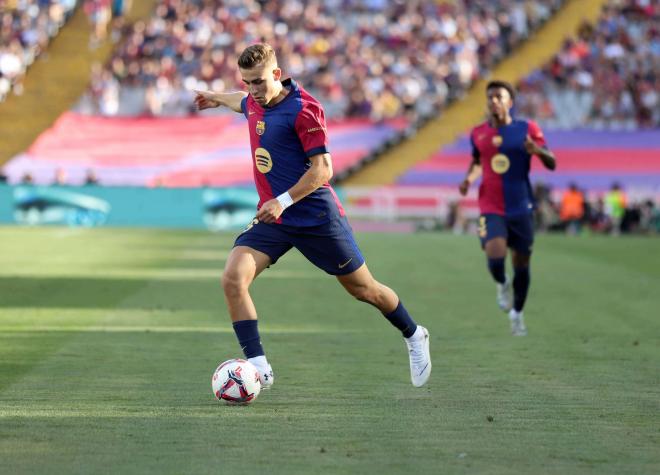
<point x="99" y="13"/>
<point x="118" y="9"/>
<point x="571" y="211"/>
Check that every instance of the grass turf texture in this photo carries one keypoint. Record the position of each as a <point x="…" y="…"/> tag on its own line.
<point x="108" y="339"/>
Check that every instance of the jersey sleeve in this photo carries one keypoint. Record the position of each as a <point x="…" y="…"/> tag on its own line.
<point x="535" y="132"/>
<point x="311" y="129"/>
<point x="244" y="106"/>
<point x="475" y="151"/>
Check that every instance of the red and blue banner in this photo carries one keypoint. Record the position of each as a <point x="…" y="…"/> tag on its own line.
<point x="590" y="158"/>
<point x="171" y="152"/>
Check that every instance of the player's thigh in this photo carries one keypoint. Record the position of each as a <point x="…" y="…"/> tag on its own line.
<point x="521" y="235"/>
<point x="269" y="239"/>
<point x="493" y="235"/>
<point x="330" y="247"/>
<point x="244" y="264"/>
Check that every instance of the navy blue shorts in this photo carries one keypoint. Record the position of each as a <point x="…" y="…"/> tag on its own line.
<point x="517" y="230"/>
<point x="330" y="246"/>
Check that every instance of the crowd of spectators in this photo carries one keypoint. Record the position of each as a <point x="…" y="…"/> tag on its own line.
<point x="608" y="76"/>
<point x="362" y="58"/>
<point x="26" y="28"/>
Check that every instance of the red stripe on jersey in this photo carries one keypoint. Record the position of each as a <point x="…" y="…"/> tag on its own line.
<point x="256" y="114"/>
<point x="336" y="198"/>
<point x="491" y="190"/>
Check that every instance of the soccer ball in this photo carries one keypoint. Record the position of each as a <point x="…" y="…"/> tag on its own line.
<point x="236" y="382"/>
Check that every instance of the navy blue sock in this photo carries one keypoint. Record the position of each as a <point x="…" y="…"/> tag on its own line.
<point x="400" y="319"/>
<point x="496" y="267"/>
<point x="520" y="287"/>
<point x="248" y="337"/>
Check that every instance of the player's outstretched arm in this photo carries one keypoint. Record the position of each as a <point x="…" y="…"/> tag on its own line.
<point x="210" y="99"/>
<point x="473" y="174"/>
<point x="317" y="175"/>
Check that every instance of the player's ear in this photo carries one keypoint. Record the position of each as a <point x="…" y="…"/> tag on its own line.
<point x="277" y="74"/>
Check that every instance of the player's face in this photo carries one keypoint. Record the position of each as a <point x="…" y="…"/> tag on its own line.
<point x="499" y="102"/>
<point x="262" y="82"/>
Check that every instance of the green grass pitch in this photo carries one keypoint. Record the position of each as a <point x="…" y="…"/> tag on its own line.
<point x="108" y="339"/>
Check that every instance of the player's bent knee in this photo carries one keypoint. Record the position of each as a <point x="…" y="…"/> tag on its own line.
<point x="233" y="284"/>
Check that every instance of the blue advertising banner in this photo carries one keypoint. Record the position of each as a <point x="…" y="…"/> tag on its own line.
<point x="211" y="208"/>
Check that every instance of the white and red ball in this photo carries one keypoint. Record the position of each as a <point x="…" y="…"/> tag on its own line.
<point x="236" y="382"/>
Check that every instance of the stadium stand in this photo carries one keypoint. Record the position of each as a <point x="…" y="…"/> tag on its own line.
<point x="26" y="28"/>
<point x="607" y="77"/>
<point x="350" y="54"/>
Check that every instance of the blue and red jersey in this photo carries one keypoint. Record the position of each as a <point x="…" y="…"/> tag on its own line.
<point x="283" y="138"/>
<point x="505" y="188"/>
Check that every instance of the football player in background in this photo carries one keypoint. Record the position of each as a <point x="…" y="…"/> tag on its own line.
<point x="502" y="149"/>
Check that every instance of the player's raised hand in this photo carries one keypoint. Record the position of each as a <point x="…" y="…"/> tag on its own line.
<point x="531" y="146"/>
<point x="205" y="100"/>
<point x="270" y="211"/>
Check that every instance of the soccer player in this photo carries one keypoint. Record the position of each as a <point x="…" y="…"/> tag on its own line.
<point x="297" y="207"/>
<point x="502" y="149"/>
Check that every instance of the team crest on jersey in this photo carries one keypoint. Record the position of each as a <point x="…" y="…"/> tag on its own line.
<point x="261" y="127"/>
<point x="500" y="163"/>
<point x="262" y="160"/>
<point x="497" y="140"/>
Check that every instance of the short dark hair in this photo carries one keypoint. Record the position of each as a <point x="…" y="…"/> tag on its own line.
<point x="496" y="83"/>
<point x="260" y="53"/>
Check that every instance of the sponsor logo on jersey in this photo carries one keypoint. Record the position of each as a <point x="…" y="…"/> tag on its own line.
<point x="500" y="163"/>
<point x="261" y="127"/>
<point x="262" y="160"/>
<point x="497" y="140"/>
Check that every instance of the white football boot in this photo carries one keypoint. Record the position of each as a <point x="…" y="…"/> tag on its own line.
<point x="266" y="376"/>
<point x="517" y="323"/>
<point x="420" y="357"/>
<point x="505" y="295"/>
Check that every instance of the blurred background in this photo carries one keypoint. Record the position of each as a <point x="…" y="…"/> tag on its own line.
<point x="98" y="128"/>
